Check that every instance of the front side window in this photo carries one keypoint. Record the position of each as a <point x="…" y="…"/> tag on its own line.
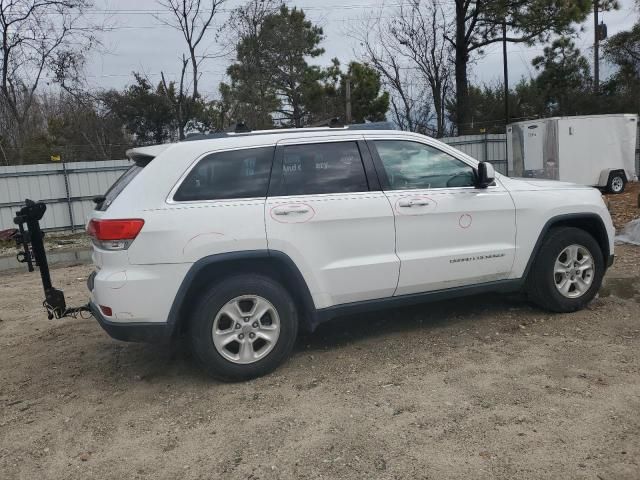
<point x="228" y="175"/>
<point x="322" y="168"/>
<point x="411" y="165"/>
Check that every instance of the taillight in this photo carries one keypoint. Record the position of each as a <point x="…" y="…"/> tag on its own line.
<point x="114" y="234"/>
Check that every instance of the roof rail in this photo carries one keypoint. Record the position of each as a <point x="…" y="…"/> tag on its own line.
<point x="204" y="136"/>
<point x="240" y="127"/>
<point x="372" y="126"/>
<point x="326" y="125"/>
<point x="334" y="122"/>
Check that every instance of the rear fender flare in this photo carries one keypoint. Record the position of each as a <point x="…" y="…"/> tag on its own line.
<point x="284" y="266"/>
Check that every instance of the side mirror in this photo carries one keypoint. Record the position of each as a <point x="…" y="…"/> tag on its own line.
<point x="486" y="175"/>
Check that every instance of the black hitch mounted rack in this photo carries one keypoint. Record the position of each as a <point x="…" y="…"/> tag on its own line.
<point x="30" y="242"/>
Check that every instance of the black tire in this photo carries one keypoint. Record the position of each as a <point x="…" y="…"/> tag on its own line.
<point x="202" y="320"/>
<point x="616" y="183"/>
<point x="541" y="286"/>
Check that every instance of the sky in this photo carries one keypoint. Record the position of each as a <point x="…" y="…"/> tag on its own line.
<point x="138" y="41"/>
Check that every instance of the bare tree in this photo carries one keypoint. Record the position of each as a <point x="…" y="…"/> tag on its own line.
<point x="411" y="54"/>
<point x="247" y="21"/>
<point x="183" y="103"/>
<point x="81" y="125"/>
<point x="420" y="28"/>
<point x="409" y="99"/>
<point x="39" y="39"/>
<point x="194" y="19"/>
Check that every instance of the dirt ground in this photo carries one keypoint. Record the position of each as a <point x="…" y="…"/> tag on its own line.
<point x="480" y="388"/>
<point x="488" y="387"/>
<point x="625" y="206"/>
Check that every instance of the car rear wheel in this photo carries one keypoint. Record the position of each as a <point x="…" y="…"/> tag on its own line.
<point x="567" y="271"/>
<point x="243" y="327"/>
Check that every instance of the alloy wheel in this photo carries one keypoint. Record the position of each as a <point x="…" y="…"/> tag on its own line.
<point x="246" y="329"/>
<point x="574" y="271"/>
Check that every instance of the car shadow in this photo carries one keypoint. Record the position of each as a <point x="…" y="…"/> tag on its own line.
<point x="131" y="362"/>
<point x="425" y="316"/>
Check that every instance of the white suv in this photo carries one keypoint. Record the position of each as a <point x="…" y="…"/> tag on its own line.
<point x="238" y="240"/>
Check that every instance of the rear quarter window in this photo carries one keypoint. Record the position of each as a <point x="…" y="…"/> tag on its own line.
<point x="119" y="185"/>
<point x="228" y="175"/>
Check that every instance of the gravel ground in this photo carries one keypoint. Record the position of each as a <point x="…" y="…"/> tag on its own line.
<point x="488" y="387"/>
<point x="480" y="388"/>
<point x="625" y="206"/>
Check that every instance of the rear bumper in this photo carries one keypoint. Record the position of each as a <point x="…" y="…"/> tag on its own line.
<point x="133" y="332"/>
<point x="135" y="293"/>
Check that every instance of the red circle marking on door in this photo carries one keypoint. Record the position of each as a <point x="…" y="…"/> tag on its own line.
<point x="465" y="220"/>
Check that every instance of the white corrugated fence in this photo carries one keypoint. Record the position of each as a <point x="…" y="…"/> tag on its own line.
<point x="485" y="148"/>
<point x="67" y="189"/>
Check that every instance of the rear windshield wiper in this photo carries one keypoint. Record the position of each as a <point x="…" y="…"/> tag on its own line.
<point x="99" y="200"/>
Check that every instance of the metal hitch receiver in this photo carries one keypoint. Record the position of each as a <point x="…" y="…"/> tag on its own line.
<point x="30" y="242"/>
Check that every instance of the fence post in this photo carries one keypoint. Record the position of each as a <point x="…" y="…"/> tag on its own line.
<point x="506" y="150"/>
<point x="66" y="189"/>
<point x="638" y="152"/>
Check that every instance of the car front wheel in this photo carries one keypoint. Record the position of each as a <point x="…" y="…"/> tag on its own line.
<point x="243" y="327"/>
<point x="567" y="271"/>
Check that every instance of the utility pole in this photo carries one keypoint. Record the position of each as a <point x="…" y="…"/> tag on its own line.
<point x="506" y="96"/>
<point x="347" y="115"/>
<point x="596" y="48"/>
<point x="506" y="73"/>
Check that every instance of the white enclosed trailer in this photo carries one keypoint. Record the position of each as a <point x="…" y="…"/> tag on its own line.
<point x="596" y="150"/>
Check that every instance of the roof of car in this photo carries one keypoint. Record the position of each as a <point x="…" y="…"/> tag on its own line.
<point x="254" y="138"/>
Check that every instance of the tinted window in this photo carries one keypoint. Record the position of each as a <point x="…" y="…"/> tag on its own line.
<point x="117" y="188"/>
<point x="411" y="165"/>
<point x="225" y="175"/>
<point x="322" y="168"/>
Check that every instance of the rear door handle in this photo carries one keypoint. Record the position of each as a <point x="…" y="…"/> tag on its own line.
<point x="413" y="203"/>
<point x="290" y="210"/>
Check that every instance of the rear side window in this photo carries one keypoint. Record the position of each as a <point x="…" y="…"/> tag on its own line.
<point x="103" y="203"/>
<point x="322" y="168"/>
<point x="228" y="175"/>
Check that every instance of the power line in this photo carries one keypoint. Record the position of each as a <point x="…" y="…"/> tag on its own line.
<point x="141" y="11"/>
<point x="153" y="74"/>
<point x="313" y="8"/>
<point x="519" y="51"/>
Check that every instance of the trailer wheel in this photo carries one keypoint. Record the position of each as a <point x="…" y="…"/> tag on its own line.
<point x="616" y="182"/>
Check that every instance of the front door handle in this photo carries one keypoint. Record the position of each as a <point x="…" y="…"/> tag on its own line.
<point x="413" y="203"/>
